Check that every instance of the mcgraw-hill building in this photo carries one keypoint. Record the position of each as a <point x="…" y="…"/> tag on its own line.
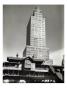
<point x="36" y="38"/>
<point x="35" y="66"/>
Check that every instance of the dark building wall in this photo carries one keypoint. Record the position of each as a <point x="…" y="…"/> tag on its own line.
<point x="24" y="53"/>
<point x="28" y="32"/>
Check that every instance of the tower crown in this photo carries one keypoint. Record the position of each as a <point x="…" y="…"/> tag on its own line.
<point x="37" y="9"/>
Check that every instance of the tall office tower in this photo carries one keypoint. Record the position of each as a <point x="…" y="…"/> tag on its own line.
<point x="36" y="37"/>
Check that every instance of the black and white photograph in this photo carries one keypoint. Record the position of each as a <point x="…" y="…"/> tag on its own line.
<point x="33" y="43"/>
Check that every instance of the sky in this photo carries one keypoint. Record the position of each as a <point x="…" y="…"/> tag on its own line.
<point x="15" y="20"/>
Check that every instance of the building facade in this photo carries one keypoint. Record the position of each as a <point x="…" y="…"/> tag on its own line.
<point x="26" y="70"/>
<point x="36" y="37"/>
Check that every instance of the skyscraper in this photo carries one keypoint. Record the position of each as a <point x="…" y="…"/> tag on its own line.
<point x="36" y="37"/>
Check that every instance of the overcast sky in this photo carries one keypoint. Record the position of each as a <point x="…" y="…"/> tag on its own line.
<point x="15" y="19"/>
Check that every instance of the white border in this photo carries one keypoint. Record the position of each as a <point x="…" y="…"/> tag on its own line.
<point x="31" y="86"/>
<point x="33" y="1"/>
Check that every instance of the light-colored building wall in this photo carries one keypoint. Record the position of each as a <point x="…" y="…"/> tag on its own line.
<point x="57" y="57"/>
